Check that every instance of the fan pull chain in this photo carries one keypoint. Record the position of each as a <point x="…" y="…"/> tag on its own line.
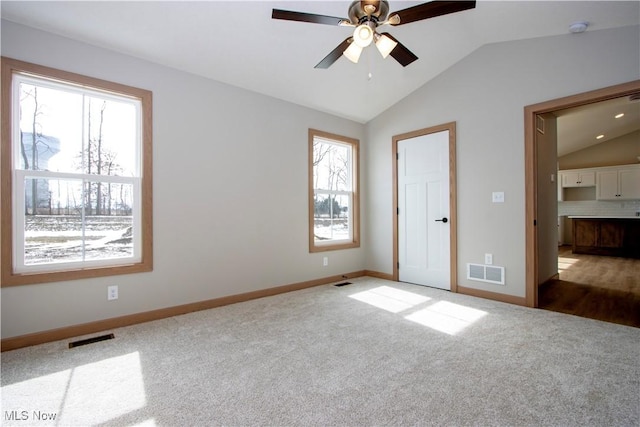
<point x="369" y="65"/>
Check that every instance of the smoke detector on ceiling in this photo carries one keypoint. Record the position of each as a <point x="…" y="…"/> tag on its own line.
<point x="578" y="27"/>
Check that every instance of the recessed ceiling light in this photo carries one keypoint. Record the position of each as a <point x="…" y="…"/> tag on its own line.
<point x="619" y="115"/>
<point x="599" y="136"/>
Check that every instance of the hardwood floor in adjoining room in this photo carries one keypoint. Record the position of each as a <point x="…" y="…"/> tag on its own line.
<point x="597" y="287"/>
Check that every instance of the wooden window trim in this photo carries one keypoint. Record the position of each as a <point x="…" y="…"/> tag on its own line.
<point x="355" y="144"/>
<point x="7" y="276"/>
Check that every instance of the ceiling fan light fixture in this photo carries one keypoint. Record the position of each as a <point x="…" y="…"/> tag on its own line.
<point x="353" y="52"/>
<point x="366" y="16"/>
<point x="363" y="35"/>
<point x="394" y="19"/>
<point x="385" y="45"/>
<point x="370" y="7"/>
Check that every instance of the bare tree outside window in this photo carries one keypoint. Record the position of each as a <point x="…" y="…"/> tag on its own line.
<point x="35" y="148"/>
<point x="76" y="151"/>
<point x="333" y="190"/>
<point x="68" y="219"/>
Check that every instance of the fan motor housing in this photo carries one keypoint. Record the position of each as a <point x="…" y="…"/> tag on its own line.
<point x="357" y="12"/>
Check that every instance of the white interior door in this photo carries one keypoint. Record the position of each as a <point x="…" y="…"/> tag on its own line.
<point x="423" y="210"/>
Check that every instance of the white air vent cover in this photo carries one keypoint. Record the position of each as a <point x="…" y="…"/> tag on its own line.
<point x="485" y="273"/>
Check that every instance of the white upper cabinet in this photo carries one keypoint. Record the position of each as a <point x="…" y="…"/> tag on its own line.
<point x="607" y="185"/>
<point x="619" y="184"/>
<point x="578" y="178"/>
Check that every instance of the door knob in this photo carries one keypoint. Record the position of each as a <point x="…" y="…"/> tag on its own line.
<point x="442" y="220"/>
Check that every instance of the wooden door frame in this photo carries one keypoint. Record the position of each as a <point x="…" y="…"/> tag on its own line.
<point x="531" y="172"/>
<point x="453" y="216"/>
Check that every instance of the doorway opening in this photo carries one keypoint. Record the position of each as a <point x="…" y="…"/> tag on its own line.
<point x="539" y="235"/>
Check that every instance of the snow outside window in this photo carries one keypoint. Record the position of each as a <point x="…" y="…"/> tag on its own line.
<point x="333" y="195"/>
<point x="77" y="174"/>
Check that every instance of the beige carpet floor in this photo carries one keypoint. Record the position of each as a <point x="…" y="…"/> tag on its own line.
<point x="371" y="353"/>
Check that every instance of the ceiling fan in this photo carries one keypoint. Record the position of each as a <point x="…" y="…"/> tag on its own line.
<point x="366" y="16"/>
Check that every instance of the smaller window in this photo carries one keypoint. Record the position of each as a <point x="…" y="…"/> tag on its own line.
<point x="334" y="207"/>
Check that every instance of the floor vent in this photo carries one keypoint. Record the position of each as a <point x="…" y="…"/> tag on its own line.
<point x="91" y="340"/>
<point x="342" y="284"/>
<point x="485" y="273"/>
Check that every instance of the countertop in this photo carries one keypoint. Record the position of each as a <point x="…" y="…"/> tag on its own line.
<point x="602" y="217"/>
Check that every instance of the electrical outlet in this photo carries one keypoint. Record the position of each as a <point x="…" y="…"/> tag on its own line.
<point x="112" y="292"/>
<point x="325" y="261"/>
<point x="488" y="259"/>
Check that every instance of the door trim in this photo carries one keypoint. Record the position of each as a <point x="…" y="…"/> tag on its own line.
<point x="531" y="172"/>
<point x="453" y="214"/>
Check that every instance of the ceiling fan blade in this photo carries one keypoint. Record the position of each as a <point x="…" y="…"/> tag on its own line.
<point x="431" y="10"/>
<point x="335" y="54"/>
<point x="289" y="15"/>
<point x="400" y="53"/>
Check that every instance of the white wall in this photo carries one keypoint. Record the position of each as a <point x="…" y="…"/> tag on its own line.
<point x="485" y="94"/>
<point x="229" y="200"/>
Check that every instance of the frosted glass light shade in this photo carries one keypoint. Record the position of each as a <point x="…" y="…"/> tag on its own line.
<point x="385" y="45"/>
<point x="353" y="52"/>
<point x="363" y="35"/>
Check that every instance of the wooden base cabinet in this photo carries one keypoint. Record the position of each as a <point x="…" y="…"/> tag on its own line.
<point x="607" y="236"/>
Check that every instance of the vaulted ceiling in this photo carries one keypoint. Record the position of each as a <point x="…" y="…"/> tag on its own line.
<point x="579" y="127"/>
<point x="237" y="42"/>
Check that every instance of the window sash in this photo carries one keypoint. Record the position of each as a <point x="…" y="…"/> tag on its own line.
<point x="115" y="179"/>
<point x="66" y="86"/>
<point x="331" y="195"/>
<point x="19" y="78"/>
<point x="349" y="172"/>
<point x="19" y="221"/>
<point x="337" y="192"/>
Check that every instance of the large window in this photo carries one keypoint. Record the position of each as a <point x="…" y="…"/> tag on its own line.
<point x="76" y="176"/>
<point x="333" y="192"/>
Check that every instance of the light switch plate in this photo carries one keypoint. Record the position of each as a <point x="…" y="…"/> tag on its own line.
<point x="497" y="197"/>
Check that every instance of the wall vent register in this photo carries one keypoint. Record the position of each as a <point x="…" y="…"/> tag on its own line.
<point x="485" y="273"/>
